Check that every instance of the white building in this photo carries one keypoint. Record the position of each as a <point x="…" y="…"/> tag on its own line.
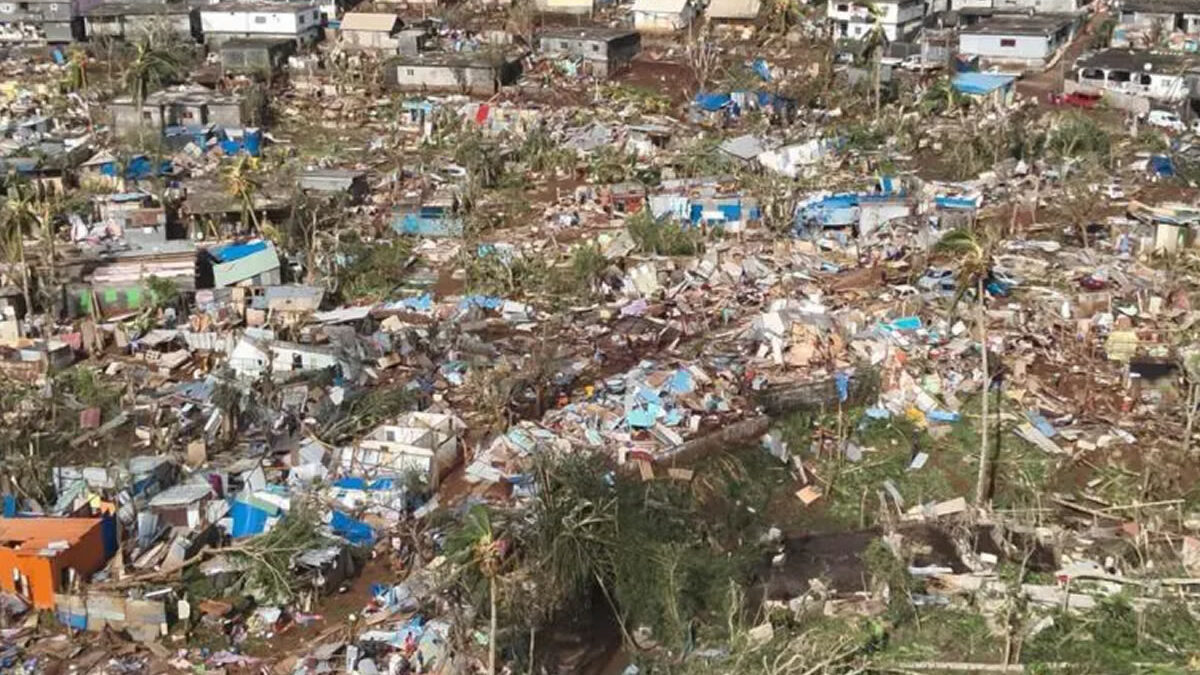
<point x="1154" y="77"/>
<point x="1020" y="40"/>
<point x="417" y="441"/>
<point x="663" y="16"/>
<point x="251" y="358"/>
<point x="299" y="21"/>
<point x="1037" y="6"/>
<point x="899" y="18"/>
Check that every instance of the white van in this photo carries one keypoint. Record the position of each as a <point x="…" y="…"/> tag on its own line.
<point x="1165" y="119"/>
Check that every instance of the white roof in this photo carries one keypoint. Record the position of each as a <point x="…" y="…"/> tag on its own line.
<point x="660" y="6"/>
<point x="368" y="21"/>
<point x="733" y="9"/>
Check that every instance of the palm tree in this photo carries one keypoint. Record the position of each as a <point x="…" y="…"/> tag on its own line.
<point x="18" y="217"/>
<point x="476" y="546"/>
<point x="974" y="253"/>
<point x="875" y="39"/>
<point x="150" y="69"/>
<point x="242" y="184"/>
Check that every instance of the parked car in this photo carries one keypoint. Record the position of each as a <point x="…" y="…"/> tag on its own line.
<point x="1074" y="99"/>
<point x="1165" y="119"/>
<point x="918" y="64"/>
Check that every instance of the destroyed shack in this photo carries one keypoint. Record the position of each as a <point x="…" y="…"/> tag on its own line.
<point x="733" y="11"/>
<point x="599" y="52"/>
<point x="479" y="73"/>
<point x="185" y="106"/>
<point x="39" y="21"/>
<point x="663" y="16"/>
<point x="349" y="182"/>
<point x="256" y="56"/>
<point x="380" y="32"/>
<point x="42" y="556"/>
<point x="422" y="443"/>
<point x="129" y="20"/>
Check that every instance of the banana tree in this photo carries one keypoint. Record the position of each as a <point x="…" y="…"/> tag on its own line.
<point x="149" y="69"/>
<point x="241" y="183"/>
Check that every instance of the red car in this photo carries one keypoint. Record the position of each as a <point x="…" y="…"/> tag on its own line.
<point x="1075" y="99"/>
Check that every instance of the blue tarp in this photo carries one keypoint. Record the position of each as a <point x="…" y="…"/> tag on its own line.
<point x="762" y="69"/>
<point x="230" y="252"/>
<point x="354" y="483"/>
<point x="10" y="506"/>
<point x="65" y="616"/>
<point x="429" y="221"/>
<point x="248" y="520"/>
<point x="108" y="532"/>
<point x="481" y="301"/>
<point x="713" y="102"/>
<point x="979" y="84"/>
<point x="966" y="64"/>
<point x="956" y="203"/>
<point x="354" y="531"/>
<point x="1162" y="165"/>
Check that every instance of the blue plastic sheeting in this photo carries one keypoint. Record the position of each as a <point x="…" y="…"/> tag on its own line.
<point x="713" y="102"/>
<point x="906" y="323"/>
<point x="482" y="301"/>
<point x="965" y="64"/>
<point x="842" y="382"/>
<point x="108" y="532"/>
<point x="681" y="382"/>
<point x="252" y="141"/>
<point x="231" y="252"/>
<point x="430" y="221"/>
<point x="1162" y="165"/>
<point x="979" y="84"/>
<point x="65" y="616"/>
<point x="354" y="531"/>
<point x="10" y="506"/>
<point x="248" y="520"/>
<point x="762" y="69"/>
<point x="943" y="416"/>
<point x="1041" y="424"/>
<point x="355" y="483"/>
<point x="956" y="203"/>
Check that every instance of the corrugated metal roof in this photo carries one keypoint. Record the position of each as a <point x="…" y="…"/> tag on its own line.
<point x="660" y="6"/>
<point x="248" y="267"/>
<point x="733" y="9"/>
<point x="36" y="534"/>
<point x="367" y="21"/>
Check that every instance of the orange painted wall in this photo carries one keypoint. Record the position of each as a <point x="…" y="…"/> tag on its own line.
<point x="86" y="555"/>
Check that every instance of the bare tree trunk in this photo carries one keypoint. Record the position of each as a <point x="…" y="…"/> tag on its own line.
<point x="1193" y="392"/>
<point x="877" y="87"/>
<point x="985" y="458"/>
<point x="532" y="638"/>
<point x="24" y="277"/>
<point x="492" y="625"/>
